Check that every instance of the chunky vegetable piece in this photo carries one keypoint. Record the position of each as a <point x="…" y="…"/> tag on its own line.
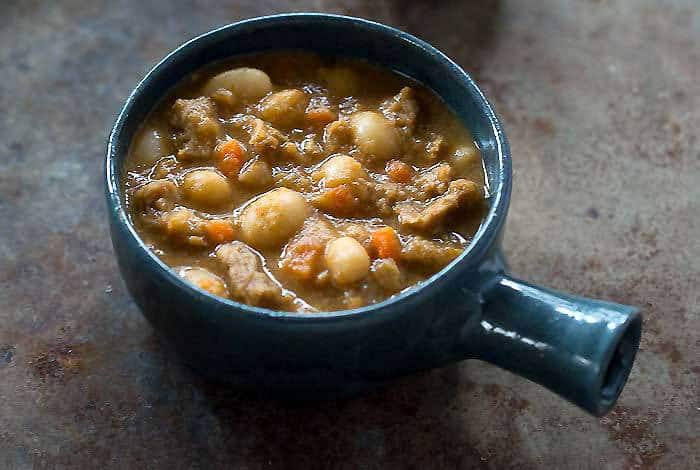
<point x="245" y="83"/>
<point x="284" y="108"/>
<point x="338" y="170"/>
<point x="375" y="135"/>
<point x="205" y="280"/>
<point x="206" y="189"/>
<point x="347" y="260"/>
<point x="386" y="243"/>
<point x="273" y="218"/>
<point x="301" y="183"/>
<point x="219" y="231"/>
<point x="230" y="155"/>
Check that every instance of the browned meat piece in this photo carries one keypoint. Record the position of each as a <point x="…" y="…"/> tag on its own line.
<point x="200" y="127"/>
<point x="360" y="232"/>
<point x="247" y="282"/>
<point x="428" y="253"/>
<point x="183" y="225"/>
<point x="436" y="147"/>
<point x="256" y="174"/>
<point x="293" y="179"/>
<point x="426" y="217"/>
<point x="434" y="181"/>
<point x="264" y="138"/>
<point x="302" y="258"/>
<point x="337" y="136"/>
<point x="154" y="198"/>
<point x="387" y="274"/>
<point x="224" y="98"/>
<point x="291" y="152"/>
<point x="165" y="167"/>
<point x="386" y="194"/>
<point x="311" y="149"/>
<point x="402" y="109"/>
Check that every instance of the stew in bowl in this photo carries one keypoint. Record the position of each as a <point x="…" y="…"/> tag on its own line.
<point x="300" y="182"/>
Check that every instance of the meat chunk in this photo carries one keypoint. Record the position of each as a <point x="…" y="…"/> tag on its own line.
<point x="183" y="225"/>
<point x="200" y="127"/>
<point x="387" y="274"/>
<point x="359" y="231"/>
<point x="293" y="179"/>
<point x="430" y="254"/>
<point x="427" y="217"/>
<point x="302" y="258"/>
<point x="257" y="174"/>
<point x="247" y="282"/>
<point x="311" y="149"/>
<point x="337" y="136"/>
<point x="436" y="147"/>
<point x="386" y="194"/>
<point x="165" y="167"/>
<point x="155" y="198"/>
<point x="433" y="181"/>
<point x="402" y="109"/>
<point x="264" y="138"/>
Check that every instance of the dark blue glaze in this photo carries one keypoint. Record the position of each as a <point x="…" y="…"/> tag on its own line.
<point x="581" y="349"/>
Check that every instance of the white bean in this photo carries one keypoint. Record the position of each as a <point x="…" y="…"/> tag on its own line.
<point x="375" y="135"/>
<point x="347" y="261"/>
<point x="206" y="188"/>
<point x="150" y="145"/>
<point x="338" y="170"/>
<point x="247" y="84"/>
<point x="284" y="108"/>
<point x="257" y="173"/>
<point x="273" y="218"/>
<point x="465" y="158"/>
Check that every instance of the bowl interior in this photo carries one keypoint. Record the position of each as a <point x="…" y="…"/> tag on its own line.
<point x="339" y="36"/>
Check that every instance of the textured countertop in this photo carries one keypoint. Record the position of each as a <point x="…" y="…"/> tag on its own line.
<point x="601" y="102"/>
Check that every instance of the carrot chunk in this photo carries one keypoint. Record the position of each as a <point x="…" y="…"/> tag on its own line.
<point x="385" y="243"/>
<point x="339" y="200"/>
<point x="230" y="166"/>
<point x="321" y="116"/>
<point x="398" y="171"/>
<point x="219" y="231"/>
<point x="230" y="148"/>
<point x="231" y="155"/>
<point x="301" y="260"/>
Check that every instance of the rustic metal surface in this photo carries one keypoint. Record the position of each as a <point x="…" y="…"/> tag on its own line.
<point x="601" y="100"/>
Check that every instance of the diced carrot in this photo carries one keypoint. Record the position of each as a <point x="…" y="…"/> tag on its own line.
<point x="320" y="116"/>
<point x="386" y="243"/>
<point x="230" y="166"/>
<point x="231" y="155"/>
<point x="301" y="261"/>
<point x="230" y="148"/>
<point x="339" y="200"/>
<point x="219" y="231"/>
<point x="399" y="171"/>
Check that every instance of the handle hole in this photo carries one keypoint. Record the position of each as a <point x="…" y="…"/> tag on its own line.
<point x="621" y="362"/>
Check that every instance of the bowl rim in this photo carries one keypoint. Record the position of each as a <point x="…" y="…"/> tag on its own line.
<point x="475" y="251"/>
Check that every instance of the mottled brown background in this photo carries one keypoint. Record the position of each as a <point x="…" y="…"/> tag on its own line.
<point x="601" y="101"/>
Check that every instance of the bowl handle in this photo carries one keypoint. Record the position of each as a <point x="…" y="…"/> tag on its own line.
<point x="582" y="349"/>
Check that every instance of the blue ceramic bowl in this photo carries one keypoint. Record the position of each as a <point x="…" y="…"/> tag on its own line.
<point x="579" y="348"/>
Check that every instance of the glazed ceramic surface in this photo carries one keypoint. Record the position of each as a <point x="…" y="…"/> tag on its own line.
<point x="581" y="349"/>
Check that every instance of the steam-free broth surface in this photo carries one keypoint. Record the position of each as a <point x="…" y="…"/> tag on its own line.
<point x="304" y="183"/>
